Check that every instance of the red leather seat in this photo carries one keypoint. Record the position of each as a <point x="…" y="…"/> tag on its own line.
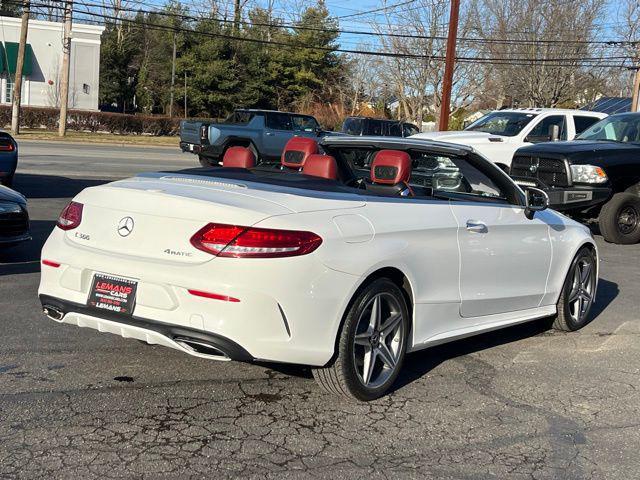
<point x="296" y="152"/>
<point x="390" y="173"/>
<point x="324" y="166"/>
<point x="238" y="157"/>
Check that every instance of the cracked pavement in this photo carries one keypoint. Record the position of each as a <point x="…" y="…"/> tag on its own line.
<point x="521" y="403"/>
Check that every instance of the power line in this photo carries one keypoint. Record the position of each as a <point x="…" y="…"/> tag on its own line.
<point x="549" y="62"/>
<point x="608" y="43"/>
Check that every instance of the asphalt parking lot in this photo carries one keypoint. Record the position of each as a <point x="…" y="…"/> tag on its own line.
<point x="522" y="403"/>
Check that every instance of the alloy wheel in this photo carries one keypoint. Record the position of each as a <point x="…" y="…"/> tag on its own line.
<point x="628" y="220"/>
<point x="582" y="289"/>
<point x="379" y="340"/>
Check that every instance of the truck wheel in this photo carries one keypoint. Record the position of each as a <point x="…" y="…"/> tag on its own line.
<point x="620" y="219"/>
<point x="205" y="162"/>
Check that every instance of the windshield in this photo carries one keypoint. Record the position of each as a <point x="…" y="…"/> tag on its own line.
<point x="508" y="124"/>
<point x="618" y="128"/>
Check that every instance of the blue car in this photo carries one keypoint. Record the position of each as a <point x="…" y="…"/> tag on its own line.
<point x="8" y="158"/>
<point x="14" y="219"/>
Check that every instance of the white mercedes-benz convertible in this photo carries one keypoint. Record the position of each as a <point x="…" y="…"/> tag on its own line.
<point x="344" y="257"/>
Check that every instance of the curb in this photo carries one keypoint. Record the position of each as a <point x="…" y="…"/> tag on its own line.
<point x="106" y="144"/>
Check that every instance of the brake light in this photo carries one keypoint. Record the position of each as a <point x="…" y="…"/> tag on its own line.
<point x="6" y="145"/>
<point x="70" y="217"/>
<point x="248" y="242"/>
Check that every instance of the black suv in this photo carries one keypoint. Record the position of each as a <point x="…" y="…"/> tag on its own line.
<point x="378" y="127"/>
<point x="596" y="176"/>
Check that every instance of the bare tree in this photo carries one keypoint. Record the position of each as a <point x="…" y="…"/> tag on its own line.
<point x="628" y="29"/>
<point x="417" y="82"/>
<point x="536" y="50"/>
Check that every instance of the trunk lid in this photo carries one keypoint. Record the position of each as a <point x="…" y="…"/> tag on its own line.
<point x="153" y="217"/>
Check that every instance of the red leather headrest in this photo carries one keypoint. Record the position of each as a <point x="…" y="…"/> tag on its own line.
<point x="324" y="166"/>
<point x="390" y="167"/>
<point x="297" y="150"/>
<point x="239" y="157"/>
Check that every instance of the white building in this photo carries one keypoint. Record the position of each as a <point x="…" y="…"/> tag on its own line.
<point x="43" y="62"/>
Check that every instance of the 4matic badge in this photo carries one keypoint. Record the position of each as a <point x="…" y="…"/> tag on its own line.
<point x="125" y="226"/>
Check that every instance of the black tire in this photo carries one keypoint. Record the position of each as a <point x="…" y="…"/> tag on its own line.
<point x="566" y="319"/>
<point x="341" y="376"/>
<point x="619" y="219"/>
<point x="206" y="161"/>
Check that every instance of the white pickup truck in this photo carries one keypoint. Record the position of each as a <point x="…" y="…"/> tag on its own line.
<point x="498" y="134"/>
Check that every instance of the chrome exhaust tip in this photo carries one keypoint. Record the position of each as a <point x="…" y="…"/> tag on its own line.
<point x="53" y="313"/>
<point x="200" y="347"/>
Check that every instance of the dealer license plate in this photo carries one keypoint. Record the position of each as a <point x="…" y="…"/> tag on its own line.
<point x="114" y="294"/>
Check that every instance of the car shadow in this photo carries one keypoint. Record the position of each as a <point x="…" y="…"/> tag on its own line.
<point x="25" y="257"/>
<point x="420" y="363"/>
<point x="35" y="186"/>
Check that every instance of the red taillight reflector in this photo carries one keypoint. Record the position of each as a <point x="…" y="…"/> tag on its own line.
<point x="214" y="296"/>
<point x="70" y="217"/>
<point x="249" y="242"/>
<point x="50" y="263"/>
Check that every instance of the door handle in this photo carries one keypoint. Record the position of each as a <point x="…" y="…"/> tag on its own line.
<point x="476" y="226"/>
<point x="269" y="134"/>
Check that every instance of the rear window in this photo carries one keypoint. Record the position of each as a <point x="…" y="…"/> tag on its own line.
<point x="240" y="117"/>
<point x="375" y="128"/>
<point x="353" y="126"/>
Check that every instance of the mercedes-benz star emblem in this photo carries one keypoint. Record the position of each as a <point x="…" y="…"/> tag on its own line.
<point x="125" y="226"/>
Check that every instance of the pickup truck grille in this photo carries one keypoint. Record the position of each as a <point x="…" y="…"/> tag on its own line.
<point x="550" y="171"/>
<point x="13" y="224"/>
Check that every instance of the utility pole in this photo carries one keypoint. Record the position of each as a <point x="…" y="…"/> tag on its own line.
<point x="185" y="94"/>
<point x="237" y="14"/>
<point x="635" y="102"/>
<point x="17" y="88"/>
<point x="66" y="57"/>
<point x="450" y="61"/>
<point x="173" y="76"/>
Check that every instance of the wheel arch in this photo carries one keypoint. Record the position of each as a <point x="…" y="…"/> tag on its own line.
<point x="239" y="142"/>
<point x="397" y="276"/>
<point x="586" y="243"/>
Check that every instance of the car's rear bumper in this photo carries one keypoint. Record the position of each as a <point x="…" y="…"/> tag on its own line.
<point x="189" y="340"/>
<point x="14" y="227"/>
<point x="211" y="151"/>
<point x="289" y="309"/>
<point x="8" y="164"/>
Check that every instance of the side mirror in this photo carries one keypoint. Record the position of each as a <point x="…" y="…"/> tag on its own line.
<point x="554" y="133"/>
<point x="537" y="200"/>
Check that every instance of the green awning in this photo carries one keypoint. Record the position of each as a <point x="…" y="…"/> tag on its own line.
<point x="10" y="58"/>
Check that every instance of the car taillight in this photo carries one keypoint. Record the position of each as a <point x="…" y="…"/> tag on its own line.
<point x="6" y="145"/>
<point x="248" y="242"/>
<point x="70" y="217"/>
